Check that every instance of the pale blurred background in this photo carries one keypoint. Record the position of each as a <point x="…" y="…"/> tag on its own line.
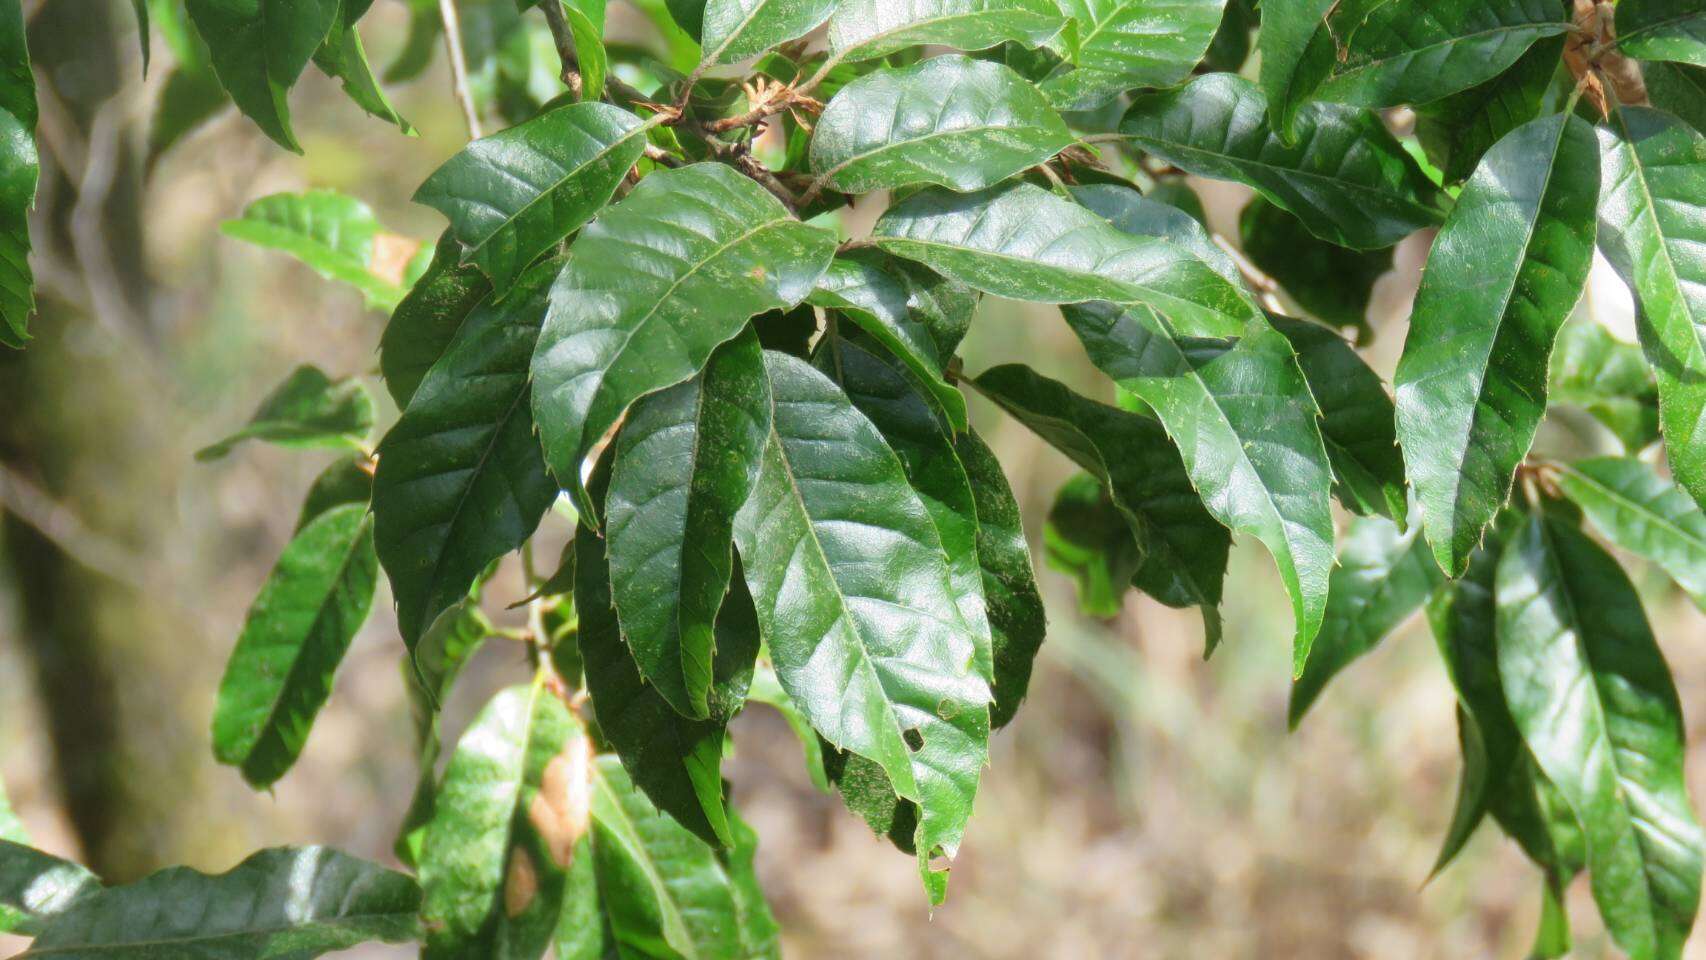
<point x="1145" y="804"/>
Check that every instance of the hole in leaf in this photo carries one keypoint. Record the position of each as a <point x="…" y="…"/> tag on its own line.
<point x="914" y="739"/>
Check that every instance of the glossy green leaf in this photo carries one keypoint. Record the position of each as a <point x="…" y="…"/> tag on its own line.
<point x="513" y="195"/>
<point x="508" y="816"/>
<point x="1505" y="272"/>
<point x="1607" y="378"/>
<point x="1085" y="539"/>
<point x="766" y="689"/>
<point x="1678" y="89"/>
<point x="343" y="58"/>
<point x="1247" y="427"/>
<point x="1289" y="28"/>
<point x="875" y="292"/>
<point x="335" y="235"/>
<point x="704" y="249"/>
<point x="1382" y="578"/>
<point x="1346" y="177"/>
<point x="259" y="49"/>
<point x="293" y="640"/>
<point x="1328" y="281"/>
<point x="36" y="887"/>
<point x="1356" y="420"/>
<point x="665" y="892"/>
<point x="1025" y="243"/>
<point x="1131" y="212"/>
<point x="1458" y="130"/>
<point x="867" y="29"/>
<point x="460" y="480"/>
<point x="686" y="459"/>
<point x="1643" y="513"/>
<point x="427" y="319"/>
<point x="964" y="124"/>
<point x="1122" y="44"/>
<point x="281" y="902"/>
<point x="1663" y="30"/>
<point x="19" y="168"/>
<point x="855" y="598"/>
<point x="1594" y="700"/>
<point x="1417" y="51"/>
<point x="307" y="410"/>
<point x="1652" y="223"/>
<point x="1013" y="602"/>
<point x="1184" y="548"/>
<point x="734" y="30"/>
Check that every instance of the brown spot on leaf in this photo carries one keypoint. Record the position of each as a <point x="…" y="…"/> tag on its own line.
<point x="521" y="883"/>
<point x="561" y="807"/>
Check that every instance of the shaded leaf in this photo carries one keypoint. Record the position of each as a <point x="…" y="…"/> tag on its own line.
<point x="345" y="481"/>
<point x="37" y="887"/>
<point x="1289" y="28"/>
<point x="1643" y="513"/>
<point x="1607" y="378"/>
<point x="336" y="235"/>
<point x="1678" y="89"/>
<point x="1086" y="540"/>
<point x="428" y="317"/>
<point x="867" y="29"/>
<point x="1329" y="282"/>
<point x="449" y="644"/>
<point x="1663" y="30"/>
<point x="307" y="410"/>
<point x="1132" y="212"/>
<point x="1458" y="130"/>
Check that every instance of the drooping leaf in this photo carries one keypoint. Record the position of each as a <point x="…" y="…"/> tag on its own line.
<point x="1025" y="243"/>
<point x="513" y="195"/>
<point x="428" y="317"/>
<point x="856" y="602"/>
<point x="1086" y="540"/>
<point x="1643" y="513"/>
<point x="342" y="57"/>
<point x="1017" y="620"/>
<point x="867" y="29"/>
<point x="460" y="480"/>
<point x="685" y="461"/>
<point x="1382" y="578"/>
<point x="280" y="902"/>
<point x="1184" y="548"/>
<point x="1289" y="27"/>
<point x="19" y="168"/>
<point x="734" y="30"/>
<point x="335" y="235"/>
<point x="1346" y="177"/>
<point x="1607" y="378"/>
<point x="259" y="49"/>
<point x="1246" y="425"/>
<point x="1594" y="700"/>
<point x="1505" y="272"/>
<point x="705" y="248"/>
<point x="507" y="818"/>
<point x="36" y="887"/>
<point x="1356" y="420"/>
<point x="1122" y="44"/>
<point x="1458" y="130"/>
<point x="1328" y="281"/>
<point x="1663" y="30"/>
<point x="293" y="640"/>
<point x="961" y="123"/>
<point x="307" y="410"/>
<point x="1652" y="219"/>
<point x="874" y="292"/>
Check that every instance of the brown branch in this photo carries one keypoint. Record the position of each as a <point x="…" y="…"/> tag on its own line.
<point x="564" y="39"/>
<point x="458" y="67"/>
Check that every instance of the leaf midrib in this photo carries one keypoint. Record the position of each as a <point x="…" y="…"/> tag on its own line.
<point x="666" y="896"/>
<point x="1612" y="493"/>
<point x="886" y="146"/>
<point x="876" y="39"/>
<point x="1555" y="27"/>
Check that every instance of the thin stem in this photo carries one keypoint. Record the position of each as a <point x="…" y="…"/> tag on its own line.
<point x="822" y="72"/>
<point x="459" y="66"/>
<point x="564" y="39"/>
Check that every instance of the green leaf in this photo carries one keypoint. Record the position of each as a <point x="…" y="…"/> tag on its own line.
<point x="1458" y="130"/>
<point x="705" y="248"/>
<point x="1022" y="242"/>
<point x="1086" y="539"/>
<point x="1184" y="548"/>
<point x="1594" y="700"/>
<point x="1346" y="178"/>
<point x="1609" y="379"/>
<point x="452" y="640"/>
<point x="1505" y="272"/>
<point x="1247" y="427"/>
<point x="293" y="639"/>
<point x="333" y="234"/>
<point x="345" y="481"/>
<point x="1663" y="30"/>
<point x="1382" y="578"/>
<point x="259" y="49"/>
<point x="509" y="814"/>
<point x="1122" y="44"/>
<point x="36" y="887"/>
<point x="460" y="480"/>
<point x="734" y="30"/>
<point x="964" y="124"/>
<point x="513" y="195"/>
<point x="307" y="411"/>
<point x="428" y="317"/>
<point x="343" y="58"/>
<point x="1356" y="420"/>
<point x="1329" y="282"/>
<point x="190" y="97"/>
<point x="1014" y="603"/>
<point x="666" y="893"/>
<point x="1643" y="513"/>
<point x="853" y="592"/>
<point x="768" y="690"/>
<point x="1131" y="212"/>
<point x="686" y="459"/>
<point x="1652" y="217"/>
<point x="1289" y="30"/>
<point x="876" y="292"/>
<point x="1417" y="51"/>
<point x="867" y="29"/>
<point x="1678" y="89"/>
<point x="280" y="902"/>
<point x="586" y="30"/>
<point x="583" y="931"/>
<point x="19" y="169"/>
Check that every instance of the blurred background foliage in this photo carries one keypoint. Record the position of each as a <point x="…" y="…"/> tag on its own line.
<point x="1148" y="803"/>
